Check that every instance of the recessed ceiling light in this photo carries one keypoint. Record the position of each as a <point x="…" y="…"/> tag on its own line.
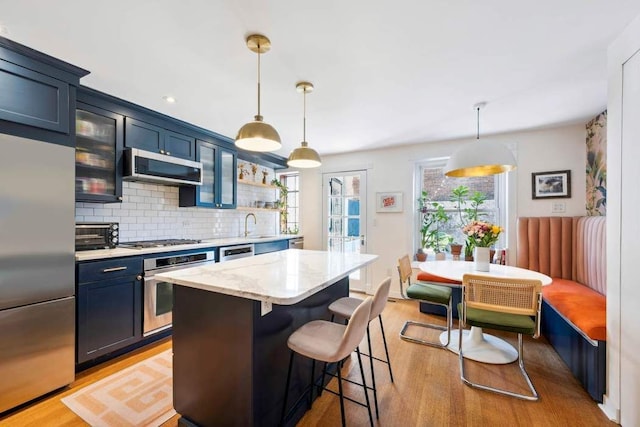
<point x="169" y="99"/>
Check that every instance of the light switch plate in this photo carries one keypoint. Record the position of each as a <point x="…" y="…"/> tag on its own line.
<point x="558" y="207"/>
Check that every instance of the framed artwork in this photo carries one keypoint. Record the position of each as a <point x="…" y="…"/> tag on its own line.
<point x="390" y="201"/>
<point x="551" y="185"/>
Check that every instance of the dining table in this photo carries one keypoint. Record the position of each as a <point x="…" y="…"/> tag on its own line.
<point x="480" y="346"/>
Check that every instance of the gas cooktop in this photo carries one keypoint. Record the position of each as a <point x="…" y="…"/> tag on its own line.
<point x="157" y="243"/>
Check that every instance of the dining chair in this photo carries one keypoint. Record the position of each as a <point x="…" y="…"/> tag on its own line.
<point x="510" y="305"/>
<point x="344" y="308"/>
<point x="329" y="342"/>
<point x="428" y="293"/>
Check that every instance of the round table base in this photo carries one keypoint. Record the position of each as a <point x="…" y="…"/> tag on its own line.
<point x="481" y="347"/>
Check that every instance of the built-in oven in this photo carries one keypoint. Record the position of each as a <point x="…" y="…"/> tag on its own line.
<point x="158" y="294"/>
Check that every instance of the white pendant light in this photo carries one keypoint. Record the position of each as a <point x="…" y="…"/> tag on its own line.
<point x="258" y="135"/>
<point x="303" y="156"/>
<point x="480" y="158"/>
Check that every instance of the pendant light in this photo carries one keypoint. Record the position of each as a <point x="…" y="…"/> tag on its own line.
<point x="303" y="156"/>
<point x="258" y="135"/>
<point x="480" y="158"/>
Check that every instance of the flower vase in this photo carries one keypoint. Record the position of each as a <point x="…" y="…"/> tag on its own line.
<point x="481" y="258"/>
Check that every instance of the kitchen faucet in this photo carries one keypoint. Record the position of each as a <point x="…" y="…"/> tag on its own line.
<point x="246" y="233"/>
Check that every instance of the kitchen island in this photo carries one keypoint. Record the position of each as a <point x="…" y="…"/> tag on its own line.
<point x="231" y="322"/>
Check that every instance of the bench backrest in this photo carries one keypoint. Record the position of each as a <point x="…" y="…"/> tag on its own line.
<point x="570" y="248"/>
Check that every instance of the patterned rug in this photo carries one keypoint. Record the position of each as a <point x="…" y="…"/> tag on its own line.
<point x="140" y="395"/>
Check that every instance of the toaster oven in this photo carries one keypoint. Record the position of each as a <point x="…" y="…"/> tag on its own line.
<point x="96" y="235"/>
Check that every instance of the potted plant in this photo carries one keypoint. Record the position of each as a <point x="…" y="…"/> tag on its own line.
<point x="434" y="218"/>
<point x="282" y="203"/>
<point x="467" y="205"/>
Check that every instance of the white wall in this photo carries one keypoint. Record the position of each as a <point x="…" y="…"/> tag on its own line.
<point x="391" y="235"/>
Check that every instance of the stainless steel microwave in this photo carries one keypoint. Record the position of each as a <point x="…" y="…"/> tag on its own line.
<point x="141" y="165"/>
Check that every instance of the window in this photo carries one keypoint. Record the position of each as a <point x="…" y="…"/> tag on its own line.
<point x="430" y="177"/>
<point x="290" y="220"/>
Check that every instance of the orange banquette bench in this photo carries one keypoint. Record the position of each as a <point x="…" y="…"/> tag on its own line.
<point x="572" y="251"/>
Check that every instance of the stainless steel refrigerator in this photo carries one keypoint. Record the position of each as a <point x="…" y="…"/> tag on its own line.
<point x="37" y="302"/>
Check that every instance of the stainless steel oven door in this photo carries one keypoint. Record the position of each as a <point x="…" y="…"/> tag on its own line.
<point x="158" y="300"/>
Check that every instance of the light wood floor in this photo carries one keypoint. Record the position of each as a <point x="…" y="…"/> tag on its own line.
<point x="427" y="390"/>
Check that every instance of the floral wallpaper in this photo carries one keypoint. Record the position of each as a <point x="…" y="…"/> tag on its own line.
<point x="596" y="167"/>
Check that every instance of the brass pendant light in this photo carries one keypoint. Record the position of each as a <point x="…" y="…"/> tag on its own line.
<point x="480" y="158"/>
<point x="303" y="156"/>
<point x="258" y="135"/>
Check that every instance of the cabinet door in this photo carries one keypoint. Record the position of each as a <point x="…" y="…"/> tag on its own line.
<point x="99" y="142"/>
<point x="33" y="99"/>
<point x="227" y="190"/>
<point x="178" y="145"/>
<point x="206" y="193"/>
<point x="143" y="136"/>
<point x="109" y="316"/>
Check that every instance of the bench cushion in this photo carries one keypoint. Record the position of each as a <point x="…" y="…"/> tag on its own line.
<point x="428" y="277"/>
<point x="582" y="306"/>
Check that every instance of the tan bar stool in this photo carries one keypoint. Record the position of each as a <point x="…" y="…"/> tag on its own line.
<point x="330" y="343"/>
<point x="344" y="307"/>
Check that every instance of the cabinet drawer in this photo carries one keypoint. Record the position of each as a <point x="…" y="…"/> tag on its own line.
<point x="266" y="247"/>
<point x="107" y="269"/>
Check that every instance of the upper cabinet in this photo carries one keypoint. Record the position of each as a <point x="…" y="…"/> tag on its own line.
<point x="146" y="136"/>
<point x="99" y="142"/>
<point x="37" y="94"/>
<point x="218" y="189"/>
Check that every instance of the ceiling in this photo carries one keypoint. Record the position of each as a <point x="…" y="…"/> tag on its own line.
<point x="385" y="73"/>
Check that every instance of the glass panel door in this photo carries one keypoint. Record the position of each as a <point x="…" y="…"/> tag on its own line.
<point x="207" y="156"/>
<point x="95" y="154"/>
<point x="345" y="218"/>
<point x="227" y="178"/>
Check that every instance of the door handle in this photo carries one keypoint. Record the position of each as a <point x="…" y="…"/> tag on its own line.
<point x="362" y="240"/>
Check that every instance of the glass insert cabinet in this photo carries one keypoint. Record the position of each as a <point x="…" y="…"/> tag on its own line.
<point x="99" y="141"/>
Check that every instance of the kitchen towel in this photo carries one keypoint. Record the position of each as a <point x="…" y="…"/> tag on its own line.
<point x="140" y="395"/>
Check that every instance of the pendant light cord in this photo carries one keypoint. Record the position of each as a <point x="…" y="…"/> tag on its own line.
<point x="304" y="114"/>
<point x="478" y="123"/>
<point x="258" y="79"/>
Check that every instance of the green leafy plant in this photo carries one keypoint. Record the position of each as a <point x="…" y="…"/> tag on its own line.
<point x="467" y="206"/>
<point x="434" y="219"/>
<point x="282" y="204"/>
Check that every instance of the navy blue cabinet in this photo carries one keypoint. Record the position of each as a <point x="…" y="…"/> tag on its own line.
<point x="266" y="247"/>
<point x="146" y="136"/>
<point x="109" y="306"/>
<point x="99" y="142"/>
<point x="37" y="94"/>
<point x="219" y="188"/>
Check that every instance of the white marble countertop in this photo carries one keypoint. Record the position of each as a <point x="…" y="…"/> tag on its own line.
<point x="284" y="277"/>
<point x="206" y="243"/>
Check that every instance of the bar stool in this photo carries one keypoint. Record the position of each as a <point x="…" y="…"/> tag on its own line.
<point x="428" y="293"/>
<point x="344" y="307"/>
<point x="330" y="343"/>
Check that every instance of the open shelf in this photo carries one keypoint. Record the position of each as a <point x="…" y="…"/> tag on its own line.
<point x="249" y="208"/>
<point x="257" y="184"/>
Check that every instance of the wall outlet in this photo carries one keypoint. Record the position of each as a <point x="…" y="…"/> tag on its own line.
<point x="558" y="207"/>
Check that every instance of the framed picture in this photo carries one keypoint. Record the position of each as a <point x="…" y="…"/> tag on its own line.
<point x="390" y="201"/>
<point x="551" y="185"/>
